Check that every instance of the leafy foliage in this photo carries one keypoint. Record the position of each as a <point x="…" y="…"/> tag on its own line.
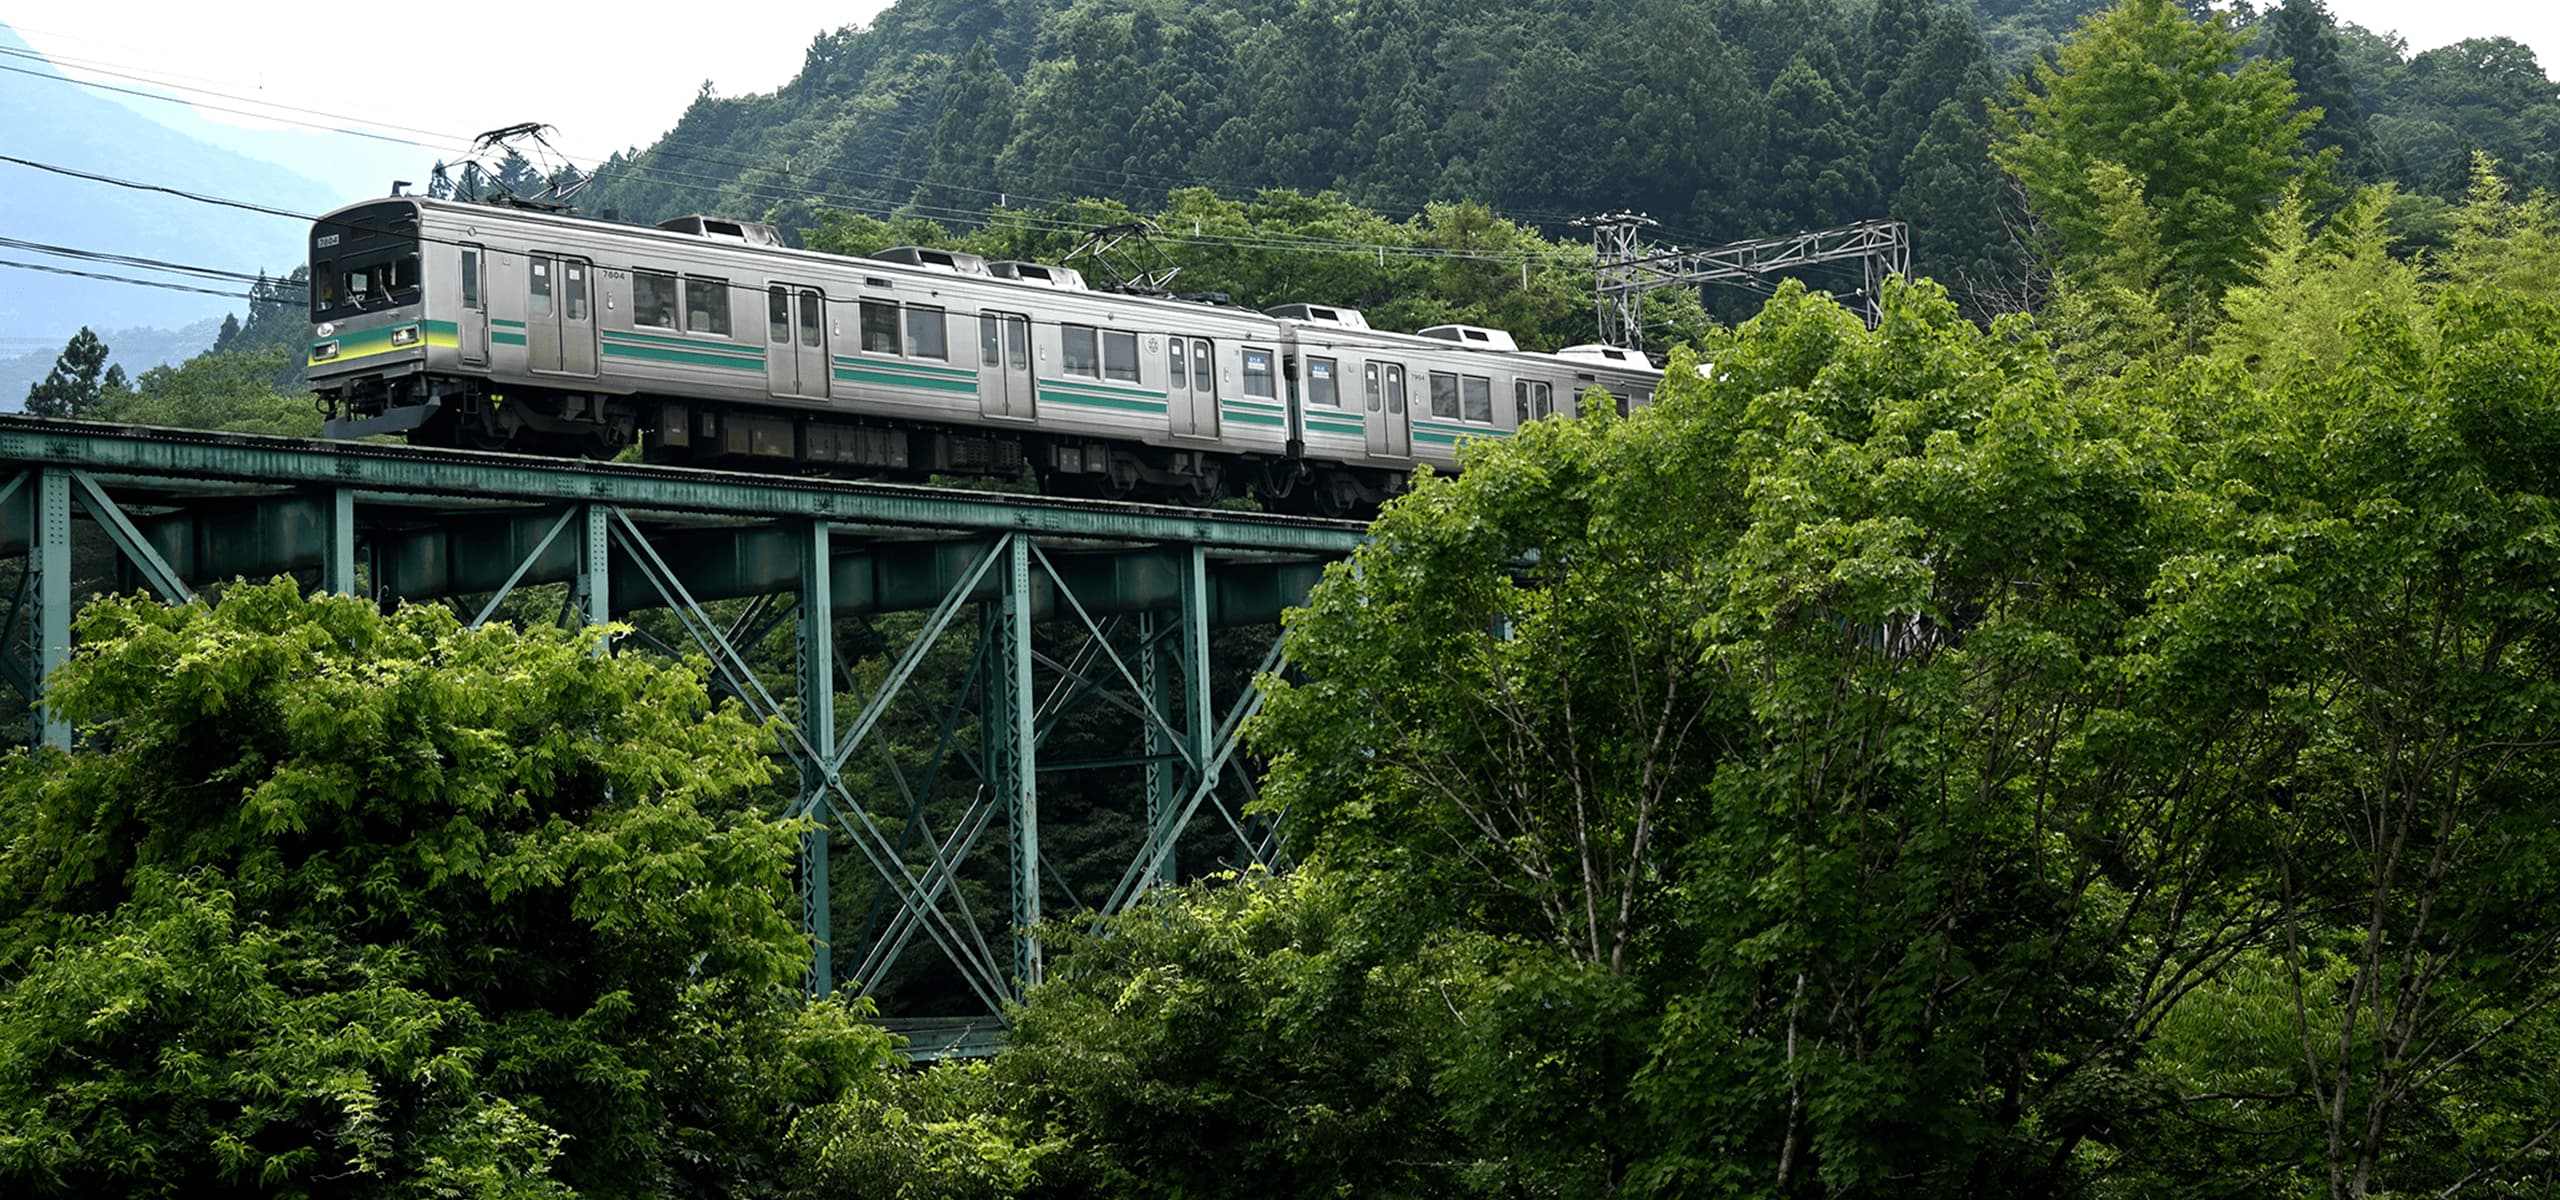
<point x="1892" y="763"/>
<point x="2148" y="116"/>
<point x="332" y="901"/>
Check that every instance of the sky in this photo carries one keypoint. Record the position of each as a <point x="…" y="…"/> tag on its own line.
<point x="436" y="74"/>
<point x="2428" y="24"/>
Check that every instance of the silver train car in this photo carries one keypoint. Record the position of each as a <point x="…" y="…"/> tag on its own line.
<point x="709" y="341"/>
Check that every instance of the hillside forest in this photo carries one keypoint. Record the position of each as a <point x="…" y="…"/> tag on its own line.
<point x="2089" y="733"/>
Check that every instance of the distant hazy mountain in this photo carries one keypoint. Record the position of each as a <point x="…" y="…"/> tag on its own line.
<point x="136" y="350"/>
<point x="45" y="118"/>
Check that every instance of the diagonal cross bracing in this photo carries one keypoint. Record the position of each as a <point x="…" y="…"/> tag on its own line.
<point x="1094" y="622"/>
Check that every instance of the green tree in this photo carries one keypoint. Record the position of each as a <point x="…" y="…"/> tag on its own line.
<point x="1951" y="195"/>
<point x="2385" y="577"/>
<point x="2207" y="144"/>
<point x="333" y="901"/>
<point x="2479" y="95"/>
<point x="2302" y="33"/>
<point x="2295" y="314"/>
<point x="977" y="121"/>
<point x="1816" y="171"/>
<point x="80" y="376"/>
<point x="233" y="390"/>
<point x="1253" y="1036"/>
<point x="955" y="1132"/>
<point x="2501" y="244"/>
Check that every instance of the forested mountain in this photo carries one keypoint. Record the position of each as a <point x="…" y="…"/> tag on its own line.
<point x="1722" y="118"/>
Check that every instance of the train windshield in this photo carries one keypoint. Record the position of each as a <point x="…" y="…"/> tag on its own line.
<point x="364" y="260"/>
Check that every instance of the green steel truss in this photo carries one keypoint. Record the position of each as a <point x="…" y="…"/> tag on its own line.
<point x="1101" y="651"/>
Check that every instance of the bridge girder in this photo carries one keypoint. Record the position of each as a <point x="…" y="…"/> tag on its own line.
<point x="1063" y="607"/>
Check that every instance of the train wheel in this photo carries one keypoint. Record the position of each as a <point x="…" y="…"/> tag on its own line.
<point x="1336" y="495"/>
<point x="1109" y="485"/>
<point x="1200" y="490"/>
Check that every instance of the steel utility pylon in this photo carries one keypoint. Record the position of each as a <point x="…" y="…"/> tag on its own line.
<point x="935" y="661"/>
<point x="1624" y="269"/>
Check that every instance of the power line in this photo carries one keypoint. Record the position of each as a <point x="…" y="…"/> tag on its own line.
<point x="198" y="197"/>
<point x="122" y="260"/>
<point x="153" y="283"/>
<point x="140" y="94"/>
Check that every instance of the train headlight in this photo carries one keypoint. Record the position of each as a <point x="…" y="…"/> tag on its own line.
<point x="406" y="335"/>
<point x="324" y="351"/>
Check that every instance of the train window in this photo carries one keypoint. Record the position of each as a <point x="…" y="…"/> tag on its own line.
<point x="1369" y="385"/>
<point x="1395" y="390"/>
<point x="987" y="353"/>
<point x="653" y="299"/>
<point x="928" y="333"/>
<point x="1478" y="391"/>
<point x="1321" y="388"/>
<point x="1202" y="378"/>
<point x="539" y="293"/>
<point x="813" y="316"/>
<point x="879" y="327"/>
<point x="574" y="288"/>
<point x="777" y="313"/>
<point x="706" y="306"/>
<point x="1017" y="343"/>
<point x="1534" y="399"/>
<point x="1120" y="355"/>
<point x="1177" y="365"/>
<point x="1444" y="395"/>
<point x="1257" y="373"/>
<point x="470" y="278"/>
<point x="1076" y="351"/>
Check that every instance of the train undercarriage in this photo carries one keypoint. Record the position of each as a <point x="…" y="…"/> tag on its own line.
<point x="464" y="413"/>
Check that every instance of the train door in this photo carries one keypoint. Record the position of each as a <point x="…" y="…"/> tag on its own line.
<point x="471" y="325"/>
<point x="1383" y="405"/>
<point x="1004" y="366"/>
<point x="560" y="322"/>
<point x="1191" y="387"/>
<point x="796" y="332"/>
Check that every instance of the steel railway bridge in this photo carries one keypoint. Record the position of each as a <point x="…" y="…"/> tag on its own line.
<point x="1056" y="607"/>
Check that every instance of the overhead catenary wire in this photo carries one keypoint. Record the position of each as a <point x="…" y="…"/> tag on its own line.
<point x="136" y="261"/>
<point x="127" y="279"/>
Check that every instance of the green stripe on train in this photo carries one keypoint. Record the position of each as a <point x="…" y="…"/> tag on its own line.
<point x="642" y="341"/>
<point x="960" y="386"/>
<point x="884" y="364"/>
<point x="722" y="346"/>
<point x="1058" y="395"/>
<point x="686" y="357"/>
<point x="1090" y="388"/>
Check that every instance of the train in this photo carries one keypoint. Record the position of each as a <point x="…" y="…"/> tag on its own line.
<point x="708" y="340"/>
